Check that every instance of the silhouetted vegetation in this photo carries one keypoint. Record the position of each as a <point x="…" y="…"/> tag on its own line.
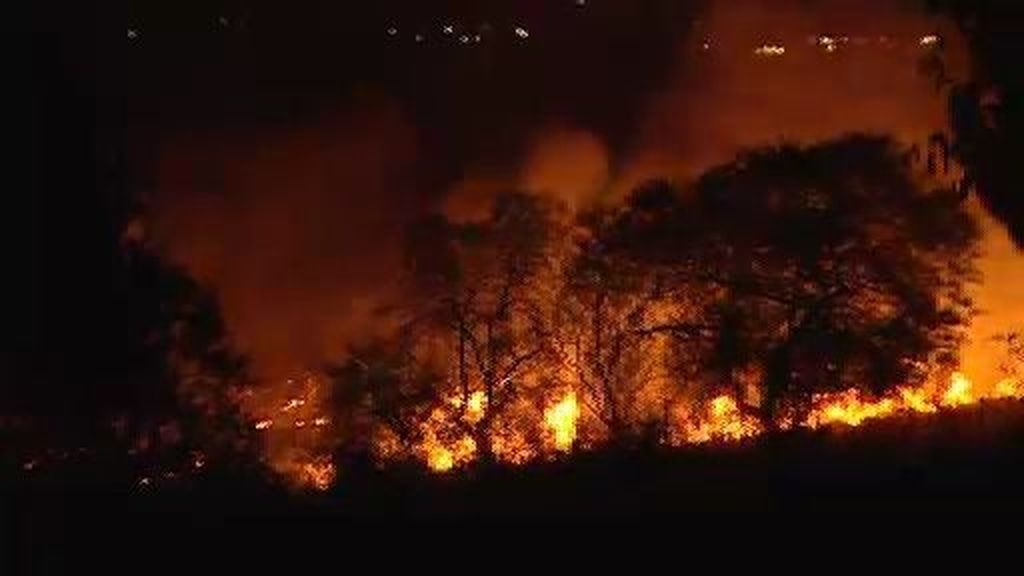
<point x="987" y="109"/>
<point x="785" y="274"/>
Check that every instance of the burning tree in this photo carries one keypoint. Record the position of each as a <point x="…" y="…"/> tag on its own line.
<point x="604" y="331"/>
<point x="814" y="269"/>
<point x="382" y="384"/>
<point x="480" y="300"/>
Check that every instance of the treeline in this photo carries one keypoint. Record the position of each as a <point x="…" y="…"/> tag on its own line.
<point x="789" y="272"/>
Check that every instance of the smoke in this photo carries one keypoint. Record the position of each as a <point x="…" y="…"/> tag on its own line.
<point x="297" y="228"/>
<point x="572" y="165"/>
<point x="724" y="97"/>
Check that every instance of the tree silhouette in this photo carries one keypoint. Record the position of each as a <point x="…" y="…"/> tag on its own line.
<point x="818" y="268"/>
<point x="113" y="346"/>
<point x="987" y="111"/>
<point x="484" y="290"/>
<point x="382" y="383"/>
<point x="602" y="320"/>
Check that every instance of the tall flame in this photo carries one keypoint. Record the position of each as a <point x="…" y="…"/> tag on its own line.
<point x="561" y="420"/>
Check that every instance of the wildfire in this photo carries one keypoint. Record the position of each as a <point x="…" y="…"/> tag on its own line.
<point x="959" y="392"/>
<point x="442" y="458"/>
<point x="445" y="443"/>
<point x="1010" y="388"/>
<point x="852" y="409"/>
<point x="722" y="420"/>
<point x="561" y="420"/>
<point x="318" y="473"/>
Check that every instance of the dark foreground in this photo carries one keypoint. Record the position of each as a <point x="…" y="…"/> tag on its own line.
<point x="931" y="468"/>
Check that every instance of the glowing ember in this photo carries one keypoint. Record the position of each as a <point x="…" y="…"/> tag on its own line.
<point x="561" y="419"/>
<point x="321" y="421"/>
<point x="264" y="424"/>
<point x="293" y="404"/>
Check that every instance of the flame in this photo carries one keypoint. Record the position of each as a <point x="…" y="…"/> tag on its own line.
<point x="521" y="434"/>
<point x="722" y="420"/>
<point x="561" y="420"/>
<point x="442" y="458"/>
<point x="959" y="392"/>
<point x="318" y="473"/>
<point x="1010" y="388"/>
<point x="850" y="409"/>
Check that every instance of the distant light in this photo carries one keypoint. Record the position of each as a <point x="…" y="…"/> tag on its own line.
<point x="392" y="31"/>
<point x="264" y="424"/>
<point x="133" y="33"/>
<point x="930" y="40"/>
<point x="477" y="38"/>
<point x="464" y="38"/>
<point x="448" y="29"/>
<point x="223" y="21"/>
<point x="581" y="2"/>
<point x="706" y="45"/>
<point x="419" y="37"/>
<point x="829" y="43"/>
<point x="770" y="50"/>
<point x="522" y="32"/>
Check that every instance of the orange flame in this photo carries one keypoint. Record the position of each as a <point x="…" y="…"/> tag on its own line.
<point x="722" y="420"/>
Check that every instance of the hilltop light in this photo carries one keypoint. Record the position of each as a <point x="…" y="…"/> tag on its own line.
<point x="770" y="50"/>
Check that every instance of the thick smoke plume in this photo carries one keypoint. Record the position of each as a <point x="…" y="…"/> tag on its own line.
<point x="299" y="227"/>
